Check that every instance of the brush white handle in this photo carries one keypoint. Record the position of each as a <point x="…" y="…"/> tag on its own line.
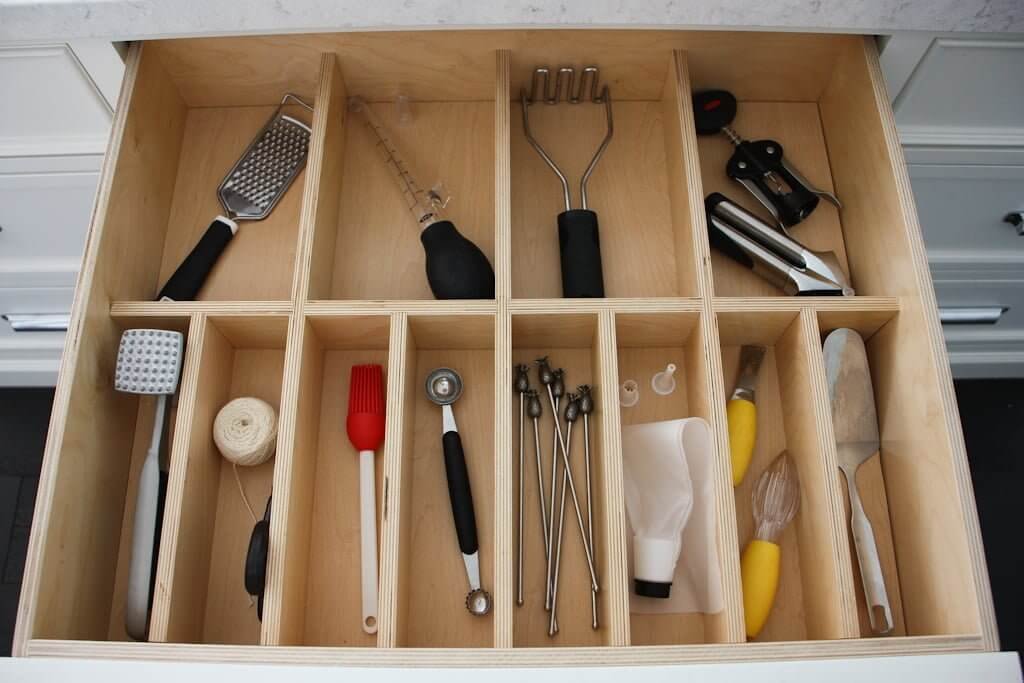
<point x="368" y="530"/>
<point x="136" y="611"/>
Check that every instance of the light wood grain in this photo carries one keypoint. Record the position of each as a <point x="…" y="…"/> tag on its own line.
<point x="448" y="142"/>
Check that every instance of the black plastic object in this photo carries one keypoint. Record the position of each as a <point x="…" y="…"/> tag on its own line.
<point x="652" y="589"/>
<point x="188" y="279"/>
<point x="580" y="247"/>
<point x="256" y="560"/>
<point x="713" y="110"/>
<point x="160" y="500"/>
<point x="460" y="493"/>
<point x="755" y="161"/>
<point x="456" y="268"/>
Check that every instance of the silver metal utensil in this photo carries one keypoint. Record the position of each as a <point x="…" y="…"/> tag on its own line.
<point x="444" y="387"/>
<point x="857" y="440"/>
<point x="585" y="393"/>
<point x="249" y="192"/>
<point x="572" y="411"/>
<point x="521" y="383"/>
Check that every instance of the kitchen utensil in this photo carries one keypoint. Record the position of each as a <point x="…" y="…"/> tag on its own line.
<point x="444" y="387"/>
<point x="658" y="493"/>
<point x="249" y="192"/>
<point x="776" y="498"/>
<point x="857" y="440"/>
<point x="256" y="560"/>
<point x="572" y="412"/>
<point x="148" y="363"/>
<point x="456" y="267"/>
<point x="365" y="426"/>
<point x="696" y="581"/>
<point x="741" y="412"/>
<point x="771" y="254"/>
<point x="664" y="383"/>
<point x="534" y="410"/>
<point x="521" y="384"/>
<point x="760" y="165"/>
<point x="629" y="393"/>
<point x="585" y="393"/>
<point x="557" y="385"/>
<point x="578" y="240"/>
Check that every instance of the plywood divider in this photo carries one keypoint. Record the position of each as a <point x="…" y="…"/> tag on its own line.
<point x="319" y="229"/>
<point x="188" y="394"/>
<point x="729" y="626"/>
<point x="615" y="584"/>
<point x="395" y="507"/>
<point x="505" y="555"/>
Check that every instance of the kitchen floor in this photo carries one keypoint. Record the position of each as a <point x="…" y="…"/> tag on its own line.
<point x="992" y="412"/>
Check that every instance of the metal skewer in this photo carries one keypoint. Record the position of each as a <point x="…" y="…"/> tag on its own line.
<point x="572" y="485"/>
<point x="522" y="385"/>
<point x="572" y="410"/>
<point x="586" y="408"/>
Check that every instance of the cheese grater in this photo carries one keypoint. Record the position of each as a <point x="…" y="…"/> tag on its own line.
<point x="148" y="363"/>
<point x="249" y="192"/>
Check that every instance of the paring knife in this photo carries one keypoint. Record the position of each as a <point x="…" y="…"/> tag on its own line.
<point x="857" y="440"/>
<point x="780" y="259"/>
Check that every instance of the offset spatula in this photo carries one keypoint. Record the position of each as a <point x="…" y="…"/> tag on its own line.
<point x="249" y="192"/>
<point x="857" y="440"/>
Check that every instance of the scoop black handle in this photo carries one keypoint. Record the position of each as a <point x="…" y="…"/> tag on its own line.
<point x="459" y="492"/>
<point x="456" y="268"/>
<point x="579" y="245"/>
<point x="188" y="279"/>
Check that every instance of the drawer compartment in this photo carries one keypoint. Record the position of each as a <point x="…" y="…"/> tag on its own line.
<point x="335" y="277"/>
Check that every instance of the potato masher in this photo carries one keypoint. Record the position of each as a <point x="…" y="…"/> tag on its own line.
<point x="578" y="240"/>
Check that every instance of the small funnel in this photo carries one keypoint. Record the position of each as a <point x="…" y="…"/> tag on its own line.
<point x="664" y="382"/>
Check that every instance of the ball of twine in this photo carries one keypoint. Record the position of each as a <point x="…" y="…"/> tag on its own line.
<point x="245" y="431"/>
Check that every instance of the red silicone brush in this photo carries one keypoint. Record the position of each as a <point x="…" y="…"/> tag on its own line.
<point x="365" y="425"/>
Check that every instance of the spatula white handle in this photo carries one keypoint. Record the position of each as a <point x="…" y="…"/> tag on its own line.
<point x="870" y="568"/>
<point x="368" y="532"/>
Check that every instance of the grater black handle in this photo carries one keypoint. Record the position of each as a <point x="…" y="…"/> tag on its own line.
<point x="188" y="279"/>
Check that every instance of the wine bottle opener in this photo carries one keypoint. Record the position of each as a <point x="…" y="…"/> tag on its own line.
<point x="759" y="165"/>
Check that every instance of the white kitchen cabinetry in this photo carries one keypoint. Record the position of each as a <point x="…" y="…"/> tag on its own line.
<point x="55" y="116"/>
<point x="959" y="106"/>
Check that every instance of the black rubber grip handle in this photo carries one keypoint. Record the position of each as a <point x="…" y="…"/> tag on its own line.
<point x="188" y="279"/>
<point x="459" y="492"/>
<point x="580" y="247"/>
<point x="161" y="498"/>
<point x="256" y="558"/>
<point x="456" y="268"/>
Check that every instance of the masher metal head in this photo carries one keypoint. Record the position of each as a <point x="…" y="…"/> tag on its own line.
<point x="444" y="386"/>
<point x="149" y="361"/>
<point x="259" y="179"/>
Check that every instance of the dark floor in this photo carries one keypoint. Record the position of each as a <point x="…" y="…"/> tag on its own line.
<point x="992" y="412"/>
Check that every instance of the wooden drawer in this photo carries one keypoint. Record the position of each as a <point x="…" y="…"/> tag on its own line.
<point x="335" y="276"/>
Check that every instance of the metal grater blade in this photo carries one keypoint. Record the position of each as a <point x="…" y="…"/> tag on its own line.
<point x="149" y="361"/>
<point x="267" y="168"/>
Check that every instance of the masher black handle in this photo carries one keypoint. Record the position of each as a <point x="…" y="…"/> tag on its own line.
<point x="459" y="492"/>
<point x="188" y="279"/>
<point x="456" y="268"/>
<point x="579" y="245"/>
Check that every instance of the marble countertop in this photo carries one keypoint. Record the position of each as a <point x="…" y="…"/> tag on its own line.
<point x="45" y="20"/>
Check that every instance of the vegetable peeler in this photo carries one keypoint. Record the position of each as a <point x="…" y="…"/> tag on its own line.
<point x="759" y="165"/>
<point x="771" y="254"/>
